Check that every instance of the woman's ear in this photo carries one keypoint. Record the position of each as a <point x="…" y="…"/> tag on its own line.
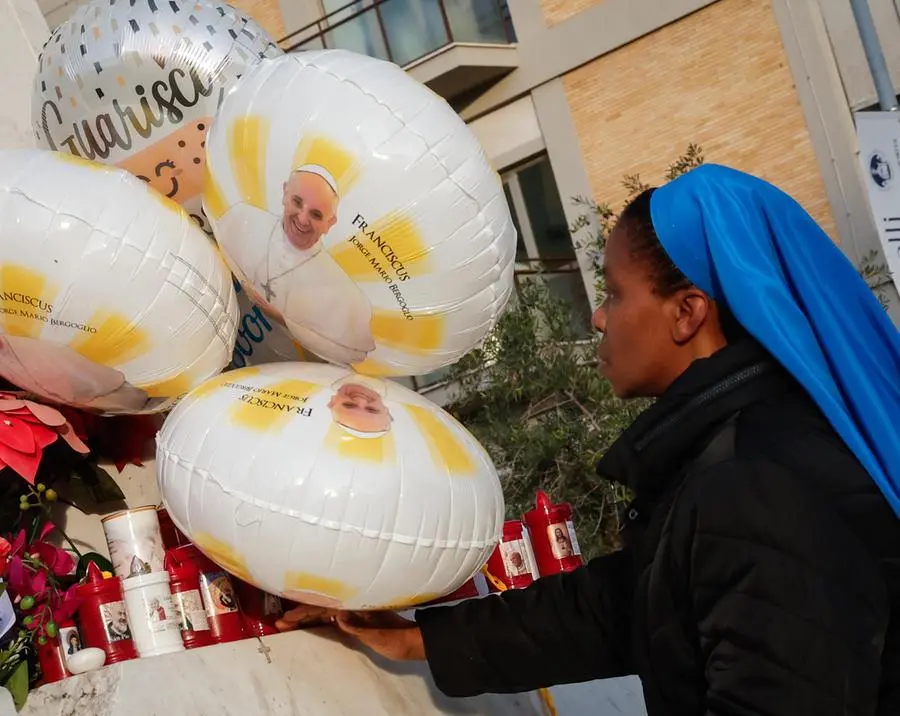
<point x="692" y="310"/>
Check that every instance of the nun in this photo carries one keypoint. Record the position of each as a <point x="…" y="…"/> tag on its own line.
<point x="761" y="572"/>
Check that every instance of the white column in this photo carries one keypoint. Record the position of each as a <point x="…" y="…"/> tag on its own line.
<point x="23" y="31"/>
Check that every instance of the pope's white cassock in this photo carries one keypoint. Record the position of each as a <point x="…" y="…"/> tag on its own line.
<point x="322" y="307"/>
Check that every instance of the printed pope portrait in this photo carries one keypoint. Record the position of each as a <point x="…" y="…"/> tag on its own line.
<point x="288" y="273"/>
<point x="513" y="560"/>
<point x="358" y="407"/>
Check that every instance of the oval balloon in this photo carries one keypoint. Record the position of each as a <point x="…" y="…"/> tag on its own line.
<point x="138" y="84"/>
<point x="327" y="487"/>
<point x="356" y="206"/>
<point x="111" y="298"/>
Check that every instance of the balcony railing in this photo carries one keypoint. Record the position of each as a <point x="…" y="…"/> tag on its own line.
<point x="403" y="31"/>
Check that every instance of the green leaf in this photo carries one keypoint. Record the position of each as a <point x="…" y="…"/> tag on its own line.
<point x="17" y="685"/>
<point x="102" y="562"/>
<point x="100" y="483"/>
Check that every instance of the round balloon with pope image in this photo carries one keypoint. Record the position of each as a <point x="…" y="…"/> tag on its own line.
<point x="328" y="487"/>
<point x="137" y="85"/>
<point x="111" y="298"/>
<point x="358" y="209"/>
<point x="261" y="339"/>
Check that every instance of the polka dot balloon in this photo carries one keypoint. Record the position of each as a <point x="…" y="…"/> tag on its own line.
<point x="136" y="83"/>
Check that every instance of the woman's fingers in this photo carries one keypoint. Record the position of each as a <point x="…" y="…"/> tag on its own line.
<point x="305" y="616"/>
<point x="385" y="633"/>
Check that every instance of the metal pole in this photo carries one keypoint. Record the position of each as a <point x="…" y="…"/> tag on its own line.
<point x="887" y="97"/>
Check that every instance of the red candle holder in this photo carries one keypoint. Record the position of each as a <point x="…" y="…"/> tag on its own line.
<point x="552" y="536"/>
<point x="52" y="662"/>
<point x="259" y="609"/>
<point x="172" y="537"/>
<point x="219" y="596"/>
<point x="512" y="562"/>
<point x="184" y="582"/>
<point x="102" y="616"/>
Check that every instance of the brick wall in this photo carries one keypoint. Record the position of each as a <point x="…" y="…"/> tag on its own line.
<point x="555" y="11"/>
<point x="266" y="12"/>
<point x="718" y="78"/>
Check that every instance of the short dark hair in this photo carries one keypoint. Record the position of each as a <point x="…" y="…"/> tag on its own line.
<point x="645" y="247"/>
<point x="667" y="279"/>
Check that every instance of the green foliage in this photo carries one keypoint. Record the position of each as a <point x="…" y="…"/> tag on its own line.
<point x="14" y="676"/>
<point x="533" y="397"/>
<point x="876" y="275"/>
<point x="18" y="685"/>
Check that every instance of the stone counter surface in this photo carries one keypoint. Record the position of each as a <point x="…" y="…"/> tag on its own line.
<point x="296" y="674"/>
<point x="310" y="673"/>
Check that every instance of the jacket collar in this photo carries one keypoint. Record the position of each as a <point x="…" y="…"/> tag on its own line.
<point x="677" y="427"/>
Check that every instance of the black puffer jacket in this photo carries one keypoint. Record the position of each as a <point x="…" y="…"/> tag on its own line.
<point x="761" y="576"/>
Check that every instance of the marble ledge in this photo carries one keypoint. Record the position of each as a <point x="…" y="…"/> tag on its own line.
<point x="297" y="674"/>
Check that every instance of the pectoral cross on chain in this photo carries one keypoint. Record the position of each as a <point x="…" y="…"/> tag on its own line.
<point x="267" y="289"/>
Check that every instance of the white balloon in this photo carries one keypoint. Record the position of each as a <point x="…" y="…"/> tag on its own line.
<point x="260" y="339"/>
<point x="137" y="84"/>
<point x="111" y="298"/>
<point x="358" y="208"/>
<point x="327" y="487"/>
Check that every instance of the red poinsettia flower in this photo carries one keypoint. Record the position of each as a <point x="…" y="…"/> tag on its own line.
<point x="121" y="439"/>
<point x="126" y="438"/>
<point x="26" y="428"/>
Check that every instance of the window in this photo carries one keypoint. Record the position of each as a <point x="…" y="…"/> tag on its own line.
<point x="403" y="31"/>
<point x="546" y="247"/>
<point x="357" y="28"/>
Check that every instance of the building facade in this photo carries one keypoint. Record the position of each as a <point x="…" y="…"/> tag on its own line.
<point x="568" y="96"/>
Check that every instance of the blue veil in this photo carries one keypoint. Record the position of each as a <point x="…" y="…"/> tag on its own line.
<point x="748" y="244"/>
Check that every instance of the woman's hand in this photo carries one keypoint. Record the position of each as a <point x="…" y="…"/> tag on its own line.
<point x="385" y="633"/>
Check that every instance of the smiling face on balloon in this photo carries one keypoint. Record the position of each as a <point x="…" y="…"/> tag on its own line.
<point x="174" y="164"/>
<point x="310" y="204"/>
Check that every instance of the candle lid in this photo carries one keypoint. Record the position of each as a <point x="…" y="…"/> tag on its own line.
<point x="559" y="512"/>
<point x="180" y="566"/>
<point x="121" y="513"/>
<point x="145" y="580"/>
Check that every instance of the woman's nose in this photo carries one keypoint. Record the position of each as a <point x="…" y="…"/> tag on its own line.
<point x="598" y="320"/>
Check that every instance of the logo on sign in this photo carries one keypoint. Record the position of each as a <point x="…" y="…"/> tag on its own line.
<point x="880" y="170"/>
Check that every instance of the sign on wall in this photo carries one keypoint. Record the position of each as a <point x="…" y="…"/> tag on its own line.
<point x="879" y="153"/>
